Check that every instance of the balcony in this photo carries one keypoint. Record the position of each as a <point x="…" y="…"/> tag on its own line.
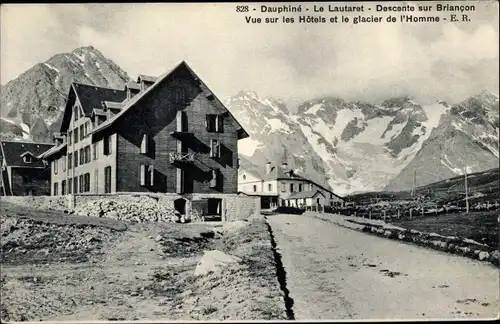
<point x="182" y="135"/>
<point x="177" y="157"/>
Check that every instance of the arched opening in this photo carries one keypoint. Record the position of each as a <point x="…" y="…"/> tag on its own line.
<point x="180" y="206"/>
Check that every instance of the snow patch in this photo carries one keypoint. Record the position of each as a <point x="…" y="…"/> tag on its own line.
<point x="26" y="130"/>
<point x="314" y="109"/>
<point x="373" y="131"/>
<point x="447" y="163"/>
<point x="51" y="67"/>
<point x="277" y="125"/>
<point x="394" y="131"/>
<point x="81" y="57"/>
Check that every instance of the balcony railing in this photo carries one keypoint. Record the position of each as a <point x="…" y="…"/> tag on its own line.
<point x="181" y="157"/>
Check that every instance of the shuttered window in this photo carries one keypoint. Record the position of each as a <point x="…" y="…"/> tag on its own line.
<point x="151" y="170"/>
<point x="142" y="174"/>
<point x="145" y="144"/>
<point x="215" y="180"/>
<point x="214" y="148"/>
<point x="76" y="158"/>
<point x="215" y="123"/>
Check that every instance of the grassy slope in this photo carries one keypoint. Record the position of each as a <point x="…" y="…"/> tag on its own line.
<point x="450" y="190"/>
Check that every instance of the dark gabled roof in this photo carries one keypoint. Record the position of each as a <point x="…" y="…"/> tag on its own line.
<point x="52" y="151"/>
<point x="13" y="153"/>
<point x="131" y="103"/>
<point x="305" y="194"/>
<point x="90" y="97"/>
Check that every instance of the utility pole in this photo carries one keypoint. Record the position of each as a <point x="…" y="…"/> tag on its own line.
<point x="465" y="182"/>
<point x="414" y="181"/>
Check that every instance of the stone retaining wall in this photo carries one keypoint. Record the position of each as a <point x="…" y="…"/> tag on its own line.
<point x="450" y="244"/>
<point x="138" y="206"/>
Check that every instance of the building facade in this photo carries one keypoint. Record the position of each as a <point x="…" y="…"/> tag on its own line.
<point x="280" y="186"/>
<point x="23" y="173"/>
<point x="165" y="135"/>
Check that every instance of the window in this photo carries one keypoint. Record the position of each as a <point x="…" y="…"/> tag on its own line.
<point x="94" y="151"/>
<point x="244" y="177"/>
<point x="81" y="183"/>
<point x="55" y="164"/>
<point x="75" y="185"/>
<point x="75" y="154"/>
<point x="145" y="144"/>
<point x="214" y="148"/>
<point x="82" y="156"/>
<point x="269" y="187"/>
<point x="75" y="133"/>
<point x="147" y="175"/>
<point x="254" y="188"/>
<point x="75" y="112"/>
<point x="70" y="160"/>
<point x="142" y="175"/>
<point x="56" y="188"/>
<point x="63" y="187"/>
<point x="70" y="137"/>
<point x="283" y="187"/>
<point x="214" y="182"/>
<point x="310" y="187"/>
<point x="86" y="182"/>
<point x="151" y="171"/>
<point x="291" y="187"/>
<point x="70" y="185"/>
<point x="107" y="145"/>
<point x="27" y="158"/>
<point x="86" y="128"/>
<point x="64" y="163"/>
<point x="87" y="154"/>
<point x="215" y="123"/>
<point x="300" y="187"/>
<point x="107" y="179"/>
<point x="96" y="181"/>
<point x="82" y="130"/>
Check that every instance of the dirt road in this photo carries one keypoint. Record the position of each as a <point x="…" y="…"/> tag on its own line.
<point x="338" y="273"/>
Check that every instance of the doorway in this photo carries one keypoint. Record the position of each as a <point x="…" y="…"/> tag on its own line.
<point x="180" y="206"/>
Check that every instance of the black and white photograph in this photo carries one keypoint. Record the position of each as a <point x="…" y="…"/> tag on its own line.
<point x="249" y="161"/>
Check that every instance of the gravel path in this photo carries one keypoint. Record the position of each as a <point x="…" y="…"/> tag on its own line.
<point x="337" y="273"/>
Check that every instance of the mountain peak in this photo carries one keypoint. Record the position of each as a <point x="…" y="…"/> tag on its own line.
<point x="485" y="94"/>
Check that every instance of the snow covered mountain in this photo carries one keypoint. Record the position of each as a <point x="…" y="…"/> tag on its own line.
<point x="358" y="146"/>
<point x="274" y="135"/>
<point x="40" y="92"/>
<point x="352" y="146"/>
<point x="466" y="137"/>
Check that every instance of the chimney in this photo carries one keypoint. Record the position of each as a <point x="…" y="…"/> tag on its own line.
<point x="268" y="167"/>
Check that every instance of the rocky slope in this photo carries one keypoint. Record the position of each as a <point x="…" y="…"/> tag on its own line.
<point x="40" y="92"/>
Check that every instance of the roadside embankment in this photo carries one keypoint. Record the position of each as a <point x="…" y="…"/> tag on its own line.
<point x="450" y="244"/>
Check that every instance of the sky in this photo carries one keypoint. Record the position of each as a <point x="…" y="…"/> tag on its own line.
<point x="293" y="62"/>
